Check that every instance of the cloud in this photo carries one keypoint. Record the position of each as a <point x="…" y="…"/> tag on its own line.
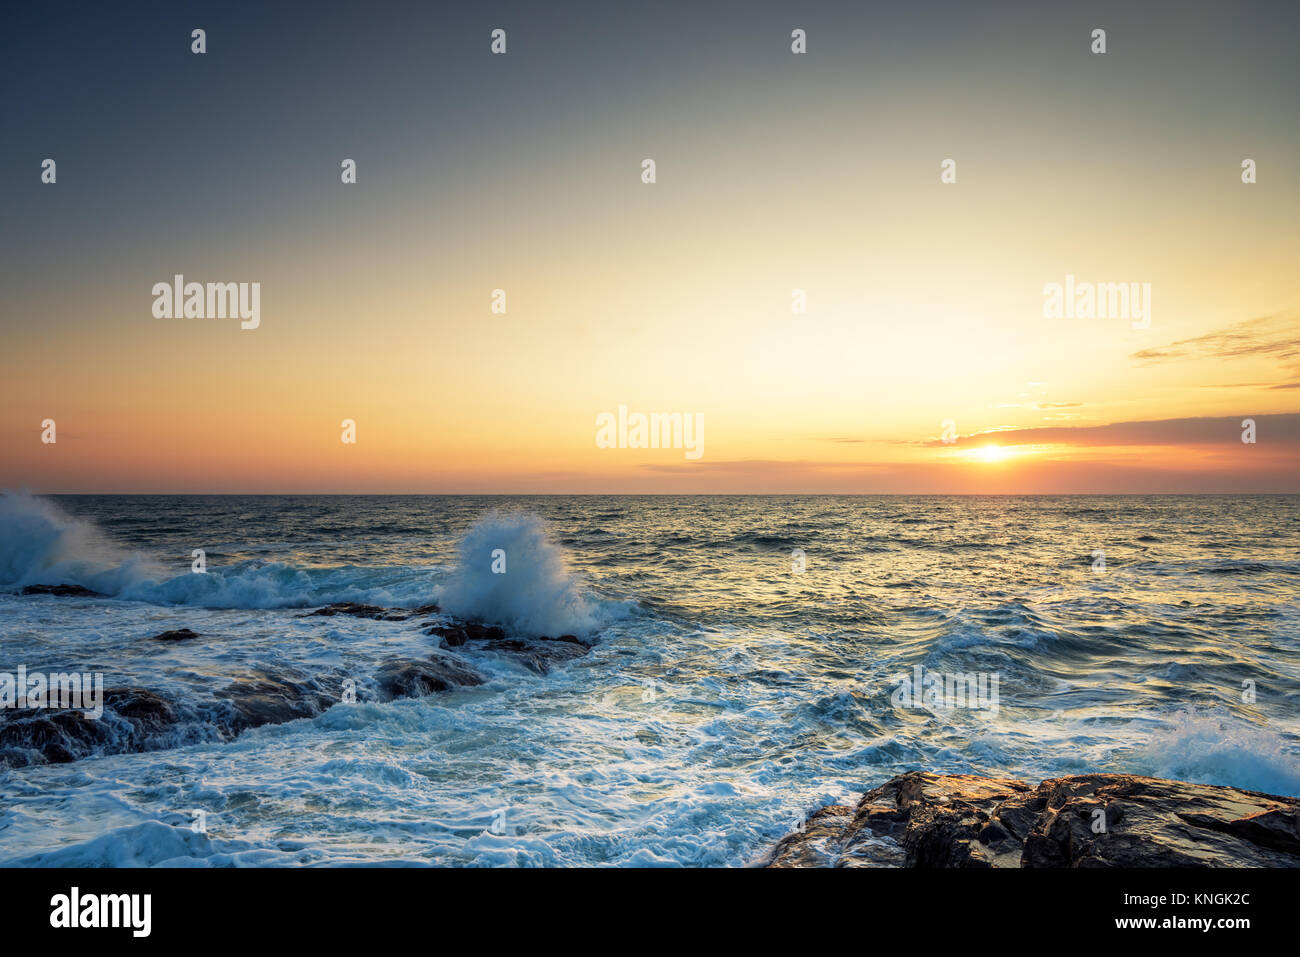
<point x="1203" y="430"/>
<point x="1270" y="336"/>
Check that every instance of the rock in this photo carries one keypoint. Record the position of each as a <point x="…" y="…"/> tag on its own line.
<point x="133" y="720"/>
<point x="357" y="610"/>
<point x="61" y="591"/>
<point x="957" y="820"/>
<point x="260" y="698"/>
<point x="536" y="656"/>
<point x="456" y="635"/>
<point x="453" y="636"/>
<point x="572" y="639"/>
<point x="179" y="634"/>
<point x="149" y="711"/>
<point x="415" y="678"/>
<point x="477" y="632"/>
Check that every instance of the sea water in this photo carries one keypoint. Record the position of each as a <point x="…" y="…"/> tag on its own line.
<point x="747" y="665"/>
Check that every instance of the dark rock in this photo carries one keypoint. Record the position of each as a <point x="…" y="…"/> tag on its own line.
<point x="458" y="634"/>
<point x="357" y="610"/>
<point x="415" y="678"/>
<point x="133" y="720"/>
<point x="572" y="639"/>
<point x="62" y="591"/>
<point x="453" y="636"/>
<point x="477" y="632"/>
<point x="932" y="820"/>
<point x="179" y="634"/>
<point x="260" y="698"/>
<point x="151" y="712"/>
<point x="535" y="655"/>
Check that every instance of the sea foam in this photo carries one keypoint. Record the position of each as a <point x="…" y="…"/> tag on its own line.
<point x="532" y="591"/>
<point x="42" y="544"/>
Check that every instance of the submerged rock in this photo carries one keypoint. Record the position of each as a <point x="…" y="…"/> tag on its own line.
<point x="133" y="720"/>
<point x="358" y="610"/>
<point x="61" y="591"/>
<point x="178" y="634"/>
<point x="537" y="655"/>
<point x="571" y="639"/>
<point x="1090" y="820"/>
<point x="415" y="678"/>
<point x="455" y="635"/>
<point x="262" y="698"/>
<point x="376" y="612"/>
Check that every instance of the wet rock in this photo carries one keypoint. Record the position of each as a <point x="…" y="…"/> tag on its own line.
<point x="572" y="639"/>
<point x="61" y="591"/>
<point x="357" y="610"/>
<point x="455" y="635"/>
<point x="415" y="678"/>
<point x="179" y="634"/>
<point x="376" y="612"/>
<point x="150" y="712"/>
<point x="1092" y="820"/>
<point x="535" y="655"/>
<point x="133" y="719"/>
<point x="262" y="698"/>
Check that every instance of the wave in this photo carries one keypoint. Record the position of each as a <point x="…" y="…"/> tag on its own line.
<point x="536" y="594"/>
<point x="1210" y="750"/>
<point x="42" y="544"/>
<point x="511" y="572"/>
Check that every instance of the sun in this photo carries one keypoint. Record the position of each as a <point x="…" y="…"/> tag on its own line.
<point x="991" y="453"/>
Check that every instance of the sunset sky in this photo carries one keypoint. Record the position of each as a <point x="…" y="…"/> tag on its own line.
<point x="775" y="172"/>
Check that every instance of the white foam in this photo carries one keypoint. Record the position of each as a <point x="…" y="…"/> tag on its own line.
<point x="536" y="594"/>
<point x="1216" y="749"/>
<point x="42" y="544"/>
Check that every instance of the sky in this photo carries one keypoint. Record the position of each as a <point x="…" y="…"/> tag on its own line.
<point x="775" y="172"/>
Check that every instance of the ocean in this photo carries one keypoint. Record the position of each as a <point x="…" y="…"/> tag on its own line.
<point x="748" y="660"/>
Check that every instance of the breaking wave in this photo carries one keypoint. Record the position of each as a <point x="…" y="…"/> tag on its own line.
<point x="511" y="572"/>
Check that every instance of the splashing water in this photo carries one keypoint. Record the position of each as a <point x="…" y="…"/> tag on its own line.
<point x="511" y="573"/>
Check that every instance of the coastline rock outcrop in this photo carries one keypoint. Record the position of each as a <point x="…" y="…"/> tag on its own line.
<point x="929" y="820"/>
<point x="137" y="719"/>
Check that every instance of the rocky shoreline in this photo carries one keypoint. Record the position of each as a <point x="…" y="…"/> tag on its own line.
<point x="926" y="820"/>
<point x="916" y="820"/>
<point x="140" y="719"/>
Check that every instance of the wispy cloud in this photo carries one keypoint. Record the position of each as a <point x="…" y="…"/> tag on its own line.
<point x="1203" y="430"/>
<point x="1275" y="336"/>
